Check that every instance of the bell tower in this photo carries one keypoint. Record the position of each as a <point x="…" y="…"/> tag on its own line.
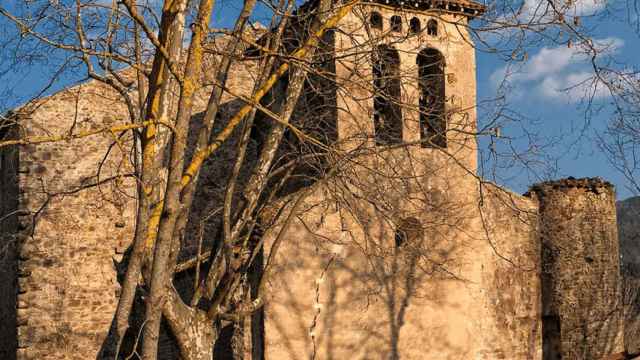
<point x="396" y="87"/>
<point x="405" y="74"/>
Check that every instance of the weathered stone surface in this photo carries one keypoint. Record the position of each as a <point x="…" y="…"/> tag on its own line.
<point x="581" y="287"/>
<point x="404" y="253"/>
<point x="77" y="200"/>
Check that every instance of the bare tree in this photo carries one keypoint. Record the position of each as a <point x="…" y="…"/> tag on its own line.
<point x="107" y="38"/>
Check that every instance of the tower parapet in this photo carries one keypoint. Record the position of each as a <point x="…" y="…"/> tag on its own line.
<point x="581" y="298"/>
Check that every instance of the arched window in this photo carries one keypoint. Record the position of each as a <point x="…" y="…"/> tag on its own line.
<point x="433" y="123"/>
<point x="409" y="231"/>
<point x="375" y="19"/>
<point x="387" y="114"/>
<point x="396" y="23"/>
<point x="432" y="27"/>
<point x="414" y="26"/>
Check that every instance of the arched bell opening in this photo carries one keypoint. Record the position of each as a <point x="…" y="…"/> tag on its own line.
<point x="387" y="112"/>
<point x="433" y="124"/>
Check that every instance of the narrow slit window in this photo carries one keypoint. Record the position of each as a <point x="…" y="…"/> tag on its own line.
<point x="375" y="19"/>
<point x="414" y="26"/>
<point x="432" y="28"/>
<point x="387" y="112"/>
<point x="433" y="124"/>
<point x="401" y="238"/>
<point x="396" y="23"/>
<point x="409" y="232"/>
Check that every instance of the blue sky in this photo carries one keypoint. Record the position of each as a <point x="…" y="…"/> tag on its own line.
<point x="551" y="119"/>
<point x="560" y="122"/>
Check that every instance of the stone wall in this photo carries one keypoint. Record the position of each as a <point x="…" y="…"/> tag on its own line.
<point x="78" y="198"/>
<point x="342" y="288"/>
<point x="581" y="304"/>
<point x="511" y="274"/>
<point x="464" y="284"/>
<point x="81" y="207"/>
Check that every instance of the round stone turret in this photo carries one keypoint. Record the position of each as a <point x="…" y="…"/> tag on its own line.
<point x="581" y="300"/>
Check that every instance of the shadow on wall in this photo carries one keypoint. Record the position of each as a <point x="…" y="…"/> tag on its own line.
<point x="362" y="263"/>
<point x="9" y="227"/>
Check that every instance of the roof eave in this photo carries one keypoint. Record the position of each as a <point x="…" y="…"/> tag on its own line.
<point x="469" y="9"/>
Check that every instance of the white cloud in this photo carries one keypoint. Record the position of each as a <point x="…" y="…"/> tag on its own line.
<point x="608" y="45"/>
<point x="537" y="16"/>
<point x="540" y="9"/>
<point x="548" y="61"/>
<point x="572" y="87"/>
<point x="558" y="73"/>
<point x="588" y="7"/>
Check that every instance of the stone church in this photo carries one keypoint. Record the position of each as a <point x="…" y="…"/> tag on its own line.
<point x="405" y="253"/>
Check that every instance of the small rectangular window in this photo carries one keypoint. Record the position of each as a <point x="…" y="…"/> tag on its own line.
<point x="396" y="23"/>
<point x="375" y="20"/>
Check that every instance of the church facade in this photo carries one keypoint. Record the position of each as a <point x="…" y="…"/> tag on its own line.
<point x="404" y="252"/>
